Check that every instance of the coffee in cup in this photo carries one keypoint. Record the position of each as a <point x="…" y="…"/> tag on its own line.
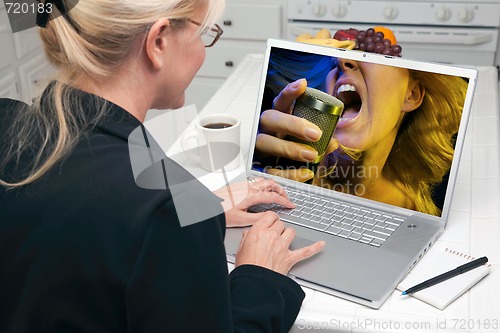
<point x="217" y="139"/>
<point x="217" y="125"/>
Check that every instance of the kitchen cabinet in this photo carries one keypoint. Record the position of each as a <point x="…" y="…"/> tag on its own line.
<point x="23" y="66"/>
<point x="247" y="25"/>
<point x="8" y="78"/>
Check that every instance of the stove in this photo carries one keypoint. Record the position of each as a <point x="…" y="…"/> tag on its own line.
<point x="459" y="32"/>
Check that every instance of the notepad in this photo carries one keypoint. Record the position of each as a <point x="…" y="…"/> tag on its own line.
<point x="442" y="294"/>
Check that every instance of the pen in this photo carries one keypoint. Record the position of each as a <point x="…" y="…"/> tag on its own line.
<point x="445" y="276"/>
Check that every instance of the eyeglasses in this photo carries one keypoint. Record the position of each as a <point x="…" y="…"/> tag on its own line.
<point x="210" y="35"/>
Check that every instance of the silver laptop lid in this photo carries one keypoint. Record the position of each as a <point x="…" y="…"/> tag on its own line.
<point x="400" y="136"/>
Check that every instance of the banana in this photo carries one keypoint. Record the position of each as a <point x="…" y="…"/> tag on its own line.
<point x="303" y="37"/>
<point x="339" y="44"/>
<point x="323" y="37"/>
<point x="323" y="34"/>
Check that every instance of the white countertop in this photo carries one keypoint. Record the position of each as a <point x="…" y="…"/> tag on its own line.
<point x="473" y="227"/>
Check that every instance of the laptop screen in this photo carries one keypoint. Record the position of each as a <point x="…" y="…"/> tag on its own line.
<point x="394" y="141"/>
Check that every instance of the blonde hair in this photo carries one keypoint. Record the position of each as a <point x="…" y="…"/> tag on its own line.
<point x="97" y="42"/>
<point x="424" y="147"/>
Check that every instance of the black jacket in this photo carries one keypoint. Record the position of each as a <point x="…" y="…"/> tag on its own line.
<point x="84" y="249"/>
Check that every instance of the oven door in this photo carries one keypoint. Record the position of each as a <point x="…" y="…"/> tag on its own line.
<point x="467" y="46"/>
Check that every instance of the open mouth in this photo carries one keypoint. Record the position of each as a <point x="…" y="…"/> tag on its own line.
<point x="352" y="101"/>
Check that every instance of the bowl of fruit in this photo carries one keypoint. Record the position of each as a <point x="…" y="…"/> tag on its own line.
<point x="376" y="40"/>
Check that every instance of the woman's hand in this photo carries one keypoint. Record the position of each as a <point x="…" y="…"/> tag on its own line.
<point x="276" y="123"/>
<point x="267" y="244"/>
<point x="240" y="196"/>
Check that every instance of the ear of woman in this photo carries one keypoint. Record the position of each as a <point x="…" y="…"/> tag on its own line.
<point x="156" y="43"/>
<point x="414" y="96"/>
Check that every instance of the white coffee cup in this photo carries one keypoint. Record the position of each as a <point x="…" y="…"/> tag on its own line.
<point x="217" y="139"/>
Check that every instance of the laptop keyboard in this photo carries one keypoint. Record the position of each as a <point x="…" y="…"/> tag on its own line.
<point x="337" y="218"/>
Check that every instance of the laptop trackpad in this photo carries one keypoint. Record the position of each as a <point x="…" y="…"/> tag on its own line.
<point x="300" y="242"/>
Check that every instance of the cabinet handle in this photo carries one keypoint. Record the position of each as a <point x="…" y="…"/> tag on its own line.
<point x="227" y="23"/>
<point x="229" y="63"/>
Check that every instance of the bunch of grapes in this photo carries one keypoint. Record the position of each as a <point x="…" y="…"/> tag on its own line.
<point x="371" y="41"/>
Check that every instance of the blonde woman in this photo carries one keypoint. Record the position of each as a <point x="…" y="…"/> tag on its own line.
<point x="401" y="133"/>
<point x="82" y="247"/>
<point x="394" y="142"/>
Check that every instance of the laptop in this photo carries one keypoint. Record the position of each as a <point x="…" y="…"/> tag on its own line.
<point x="377" y="227"/>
